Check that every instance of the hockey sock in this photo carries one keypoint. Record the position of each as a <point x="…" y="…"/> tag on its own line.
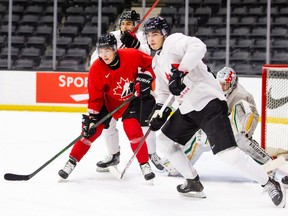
<point x="177" y="157"/>
<point x="81" y="147"/>
<point x="151" y="140"/>
<point x="134" y="133"/>
<point x="111" y="137"/>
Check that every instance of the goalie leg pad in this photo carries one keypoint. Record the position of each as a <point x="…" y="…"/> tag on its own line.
<point x="252" y="148"/>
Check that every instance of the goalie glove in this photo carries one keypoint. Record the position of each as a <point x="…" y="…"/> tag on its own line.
<point x="130" y="40"/>
<point x="157" y="120"/>
<point x="87" y="124"/>
<point x="176" y="85"/>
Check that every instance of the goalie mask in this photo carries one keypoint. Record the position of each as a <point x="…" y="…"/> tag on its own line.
<point x="157" y="23"/>
<point x="130" y="15"/>
<point x="228" y="80"/>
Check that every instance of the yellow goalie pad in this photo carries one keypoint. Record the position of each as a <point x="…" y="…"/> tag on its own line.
<point x="242" y="117"/>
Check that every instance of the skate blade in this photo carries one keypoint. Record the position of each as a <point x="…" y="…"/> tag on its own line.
<point x="150" y="182"/>
<point x="100" y="169"/>
<point x="174" y="175"/>
<point x="283" y="203"/>
<point x="62" y="180"/>
<point x="194" y="194"/>
<point x="114" y="171"/>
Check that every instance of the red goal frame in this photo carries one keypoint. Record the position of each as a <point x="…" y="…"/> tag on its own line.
<point x="264" y="99"/>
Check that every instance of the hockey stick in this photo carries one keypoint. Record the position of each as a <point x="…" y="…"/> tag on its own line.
<point x="143" y="139"/>
<point x="143" y="18"/>
<point x="18" y="177"/>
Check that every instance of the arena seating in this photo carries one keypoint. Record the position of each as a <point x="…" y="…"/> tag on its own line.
<point x="77" y="25"/>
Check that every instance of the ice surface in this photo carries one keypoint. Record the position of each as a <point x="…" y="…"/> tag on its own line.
<point x="29" y="139"/>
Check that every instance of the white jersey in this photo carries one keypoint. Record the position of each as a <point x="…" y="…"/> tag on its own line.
<point x="201" y="85"/>
<point x="141" y="37"/>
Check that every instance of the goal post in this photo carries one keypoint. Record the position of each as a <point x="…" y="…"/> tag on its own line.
<point x="274" y="113"/>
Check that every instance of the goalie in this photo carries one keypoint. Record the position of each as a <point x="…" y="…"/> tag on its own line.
<point x="243" y="116"/>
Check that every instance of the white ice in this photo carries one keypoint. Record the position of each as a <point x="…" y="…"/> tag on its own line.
<point x="29" y="139"/>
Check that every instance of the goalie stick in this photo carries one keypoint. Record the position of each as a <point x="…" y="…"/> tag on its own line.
<point x="141" y="141"/>
<point x="19" y="177"/>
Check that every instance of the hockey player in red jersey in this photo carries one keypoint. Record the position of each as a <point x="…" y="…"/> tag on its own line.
<point x="128" y="20"/>
<point x="112" y="79"/>
<point x="181" y="72"/>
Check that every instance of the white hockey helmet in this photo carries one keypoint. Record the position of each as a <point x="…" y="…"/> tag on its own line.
<point x="227" y="76"/>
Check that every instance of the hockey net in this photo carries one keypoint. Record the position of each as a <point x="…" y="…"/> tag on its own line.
<point x="274" y="118"/>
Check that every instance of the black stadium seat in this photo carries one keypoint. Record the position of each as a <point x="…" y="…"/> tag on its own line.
<point x="18" y="41"/>
<point x="31" y="53"/>
<point x="60" y="53"/>
<point x="64" y="42"/>
<point x="14" y="52"/>
<point x="24" y="64"/>
<point x="70" y="31"/>
<point x="82" y="42"/>
<point x="38" y="42"/>
<point x="46" y="65"/>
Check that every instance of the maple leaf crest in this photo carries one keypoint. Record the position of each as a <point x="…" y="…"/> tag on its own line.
<point x="124" y="88"/>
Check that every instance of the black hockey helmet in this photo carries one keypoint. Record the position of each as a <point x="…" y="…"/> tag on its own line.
<point x="157" y="23"/>
<point x="107" y="40"/>
<point x="131" y="15"/>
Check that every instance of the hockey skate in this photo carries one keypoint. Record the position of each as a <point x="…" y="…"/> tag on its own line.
<point x="68" y="168"/>
<point x="110" y="160"/>
<point x="147" y="171"/>
<point x="156" y="160"/>
<point x="284" y="181"/>
<point x="276" y="192"/>
<point x="192" y="187"/>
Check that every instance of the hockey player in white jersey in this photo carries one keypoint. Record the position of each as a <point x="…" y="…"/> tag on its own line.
<point x="125" y="38"/>
<point x="202" y="105"/>
<point x="243" y="117"/>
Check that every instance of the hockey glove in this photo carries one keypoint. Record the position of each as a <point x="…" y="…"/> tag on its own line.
<point x="176" y="85"/>
<point x="88" y="122"/>
<point x="130" y="40"/>
<point x="157" y="120"/>
<point x="143" y="84"/>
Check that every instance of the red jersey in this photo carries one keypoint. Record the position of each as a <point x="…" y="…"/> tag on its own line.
<point x="112" y="87"/>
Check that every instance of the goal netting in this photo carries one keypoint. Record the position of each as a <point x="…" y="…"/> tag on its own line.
<point x="274" y="118"/>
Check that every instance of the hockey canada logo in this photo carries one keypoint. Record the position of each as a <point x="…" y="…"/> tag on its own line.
<point x="124" y="88"/>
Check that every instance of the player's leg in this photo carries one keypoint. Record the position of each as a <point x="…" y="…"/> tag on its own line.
<point x="216" y="125"/>
<point x="167" y="143"/>
<point x="111" y="137"/>
<point x="133" y="130"/>
<point x="146" y="106"/>
<point x="134" y="133"/>
<point x="81" y="147"/>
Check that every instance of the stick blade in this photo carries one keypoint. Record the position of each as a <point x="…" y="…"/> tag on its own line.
<point x="15" y="177"/>
<point x="114" y="171"/>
